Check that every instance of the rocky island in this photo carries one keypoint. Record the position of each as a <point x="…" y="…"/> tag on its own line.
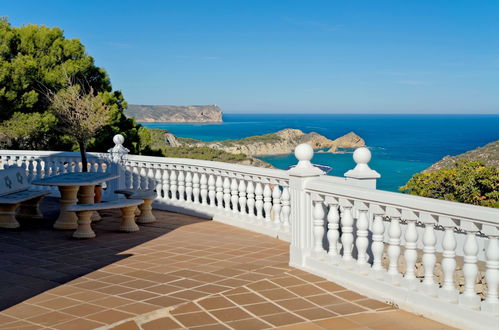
<point x="174" y="113"/>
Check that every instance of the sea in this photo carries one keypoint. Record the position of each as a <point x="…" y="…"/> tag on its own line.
<point x="401" y="145"/>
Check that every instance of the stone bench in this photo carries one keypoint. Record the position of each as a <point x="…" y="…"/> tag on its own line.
<point x="144" y="211"/>
<point x="15" y="192"/>
<point x="85" y="211"/>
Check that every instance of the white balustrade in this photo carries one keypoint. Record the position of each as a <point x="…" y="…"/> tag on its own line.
<point x="268" y="201"/>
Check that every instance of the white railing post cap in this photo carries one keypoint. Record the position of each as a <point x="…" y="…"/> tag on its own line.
<point x="118" y="139"/>
<point x="362" y="156"/>
<point x="304" y="153"/>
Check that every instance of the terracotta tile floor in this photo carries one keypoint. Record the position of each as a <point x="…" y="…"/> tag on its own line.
<point x="180" y="272"/>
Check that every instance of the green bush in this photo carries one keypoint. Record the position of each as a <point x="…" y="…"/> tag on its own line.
<point x="467" y="181"/>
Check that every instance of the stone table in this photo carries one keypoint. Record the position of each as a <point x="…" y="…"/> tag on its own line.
<point x="74" y="187"/>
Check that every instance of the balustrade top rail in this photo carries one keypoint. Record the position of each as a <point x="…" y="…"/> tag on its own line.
<point x="453" y="210"/>
<point x="243" y="170"/>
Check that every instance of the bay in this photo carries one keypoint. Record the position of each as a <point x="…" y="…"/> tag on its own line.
<point x="401" y="145"/>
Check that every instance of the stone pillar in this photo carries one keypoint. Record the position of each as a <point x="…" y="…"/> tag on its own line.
<point x="117" y="155"/>
<point x="301" y="205"/>
<point x="362" y="175"/>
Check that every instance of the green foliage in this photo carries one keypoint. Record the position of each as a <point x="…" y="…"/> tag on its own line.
<point x="468" y="181"/>
<point x="265" y="138"/>
<point x="36" y="60"/>
<point x="204" y="153"/>
<point x="27" y="130"/>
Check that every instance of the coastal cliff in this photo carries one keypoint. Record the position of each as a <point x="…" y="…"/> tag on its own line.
<point x="175" y="114"/>
<point x="281" y="142"/>
<point x="489" y="154"/>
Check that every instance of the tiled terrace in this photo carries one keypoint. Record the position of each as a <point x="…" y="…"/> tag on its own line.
<point x="180" y="272"/>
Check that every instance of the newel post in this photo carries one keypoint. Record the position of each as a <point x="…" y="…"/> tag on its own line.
<point x="301" y="205"/>
<point x="362" y="175"/>
<point x="117" y="155"/>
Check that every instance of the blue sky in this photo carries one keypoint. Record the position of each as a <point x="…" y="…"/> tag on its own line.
<point x="289" y="56"/>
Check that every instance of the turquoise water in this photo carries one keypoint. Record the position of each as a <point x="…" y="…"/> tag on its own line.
<point x="401" y="145"/>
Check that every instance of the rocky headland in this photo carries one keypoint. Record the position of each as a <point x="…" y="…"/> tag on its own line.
<point x="489" y="154"/>
<point x="281" y="142"/>
<point x="175" y="114"/>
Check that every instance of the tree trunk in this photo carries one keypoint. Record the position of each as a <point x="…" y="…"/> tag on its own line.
<point x="83" y="150"/>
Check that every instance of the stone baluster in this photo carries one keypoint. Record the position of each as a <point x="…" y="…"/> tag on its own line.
<point x="333" y="233"/>
<point x="77" y="167"/>
<point x="30" y="168"/>
<point x="377" y="246"/>
<point x="226" y="187"/>
<point x="410" y="253"/>
<point x="250" y="202"/>
<point x="469" y="298"/>
<point x="195" y="187"/>
<point x="276" y="205"/>
<point x="166" y="183"/>
<point x="173" y="184"/>
<point x="38" y="175"/>
<point x="211" y="191"/>
<point x="259" y="201"/>
<point x="362" y="241"/>
<point x="318" y="228"/>
<point x="448" y="292"/>
<point x="219" y="192"/>
<point x="60" y="167"/>
<point x="136" y="176"/>
<point x="159" y="181"/>
<point x="188" y="186"/>
<point x="428" y="285"/>
<point x="234" y="195"/>
<point x="491" y="302"/>
<point x="394" y="234"/>
<point x="267" y="203"/>
<point x="242" y="196"/>
<point x="151" y="184"/>
<point x="144" y="184"/>
<point x="347" y="230"/>
<point x="204" y="189"/>
<point x="286" y="209"/>
<point x="181" y="185"/>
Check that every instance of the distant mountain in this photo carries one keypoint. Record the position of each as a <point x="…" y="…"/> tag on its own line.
<point x="489" y="154"/>
<point x="174" y="113"/>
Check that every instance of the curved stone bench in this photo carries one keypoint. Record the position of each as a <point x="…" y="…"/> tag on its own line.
<point x="144" y="211"/>
<point x="28" y="202"/>
<point x="85" y="211"/>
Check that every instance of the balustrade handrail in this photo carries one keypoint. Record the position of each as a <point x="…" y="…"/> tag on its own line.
<point x="243" y="170"/>
<point x="454" y="210"/>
